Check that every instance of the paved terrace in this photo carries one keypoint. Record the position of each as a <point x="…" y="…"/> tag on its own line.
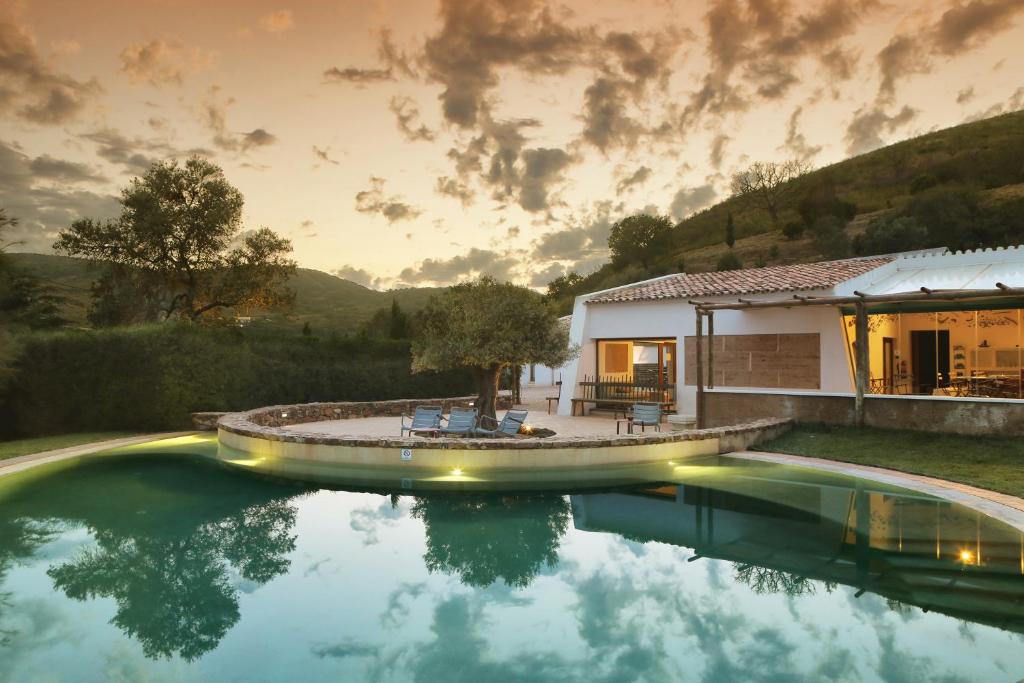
<point x="599" y="424"/>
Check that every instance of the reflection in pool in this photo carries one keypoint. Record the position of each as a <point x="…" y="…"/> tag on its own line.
<point x="172" y="568"/>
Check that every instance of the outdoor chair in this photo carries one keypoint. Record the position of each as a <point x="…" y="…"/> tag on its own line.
<point x="426" y="419"/>
<point x="509" y="425"/>
<point x="461" y="421"/>
<point x="645" y="415"/>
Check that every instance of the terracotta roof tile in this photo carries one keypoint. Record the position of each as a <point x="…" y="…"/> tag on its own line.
<point x="748" y="281"/>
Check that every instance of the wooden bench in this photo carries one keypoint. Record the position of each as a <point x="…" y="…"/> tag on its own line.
<point x="617" y="405"/>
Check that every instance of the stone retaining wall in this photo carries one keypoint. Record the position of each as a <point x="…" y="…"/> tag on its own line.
<point x="268" y="424"/>
<point x="974" y="416"/>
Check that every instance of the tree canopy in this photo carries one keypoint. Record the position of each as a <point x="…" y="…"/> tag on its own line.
<point x="766" y="183"/>
<point x="179" y="247"/>
<point x="487" y="326"/>
<point x="639" y="238"/>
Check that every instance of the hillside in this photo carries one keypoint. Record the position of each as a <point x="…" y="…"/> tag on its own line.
<point x="986" y="157"/>
<point x="328" y="303"/>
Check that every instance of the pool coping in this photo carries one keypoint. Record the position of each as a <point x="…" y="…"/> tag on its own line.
<point x="25" y="462"/>
<point x="1001" y="506"/>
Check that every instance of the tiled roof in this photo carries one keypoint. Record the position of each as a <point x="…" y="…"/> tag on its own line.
<point x="749" y="281"/>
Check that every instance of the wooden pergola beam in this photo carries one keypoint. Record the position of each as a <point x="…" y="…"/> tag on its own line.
<point x="924" y="294"/>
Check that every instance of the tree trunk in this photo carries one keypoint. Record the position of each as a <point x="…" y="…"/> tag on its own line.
<point x="487" y="390"/>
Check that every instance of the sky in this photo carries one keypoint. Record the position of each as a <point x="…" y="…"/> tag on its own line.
<point x="416" y="142"/>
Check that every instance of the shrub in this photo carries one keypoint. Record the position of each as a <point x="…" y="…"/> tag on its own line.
<point x="892" y="234"/>
<point x="923" y="182"/>
<point x="830" y="237"/>
<point x="773" y="253"/>
<point x="793" y="230"/>
<point x="729" y="261"/>
<point x="951" y="216"/>
<point x="153" y="377"/>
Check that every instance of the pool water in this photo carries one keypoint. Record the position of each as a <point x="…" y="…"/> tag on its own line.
<point x="172" y="568"/>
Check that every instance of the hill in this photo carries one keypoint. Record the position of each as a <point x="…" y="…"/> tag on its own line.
<point x="328" y="303"/>
<point x="983" y="159"/>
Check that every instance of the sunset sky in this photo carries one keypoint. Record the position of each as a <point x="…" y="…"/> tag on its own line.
<point x="412" y="143"/>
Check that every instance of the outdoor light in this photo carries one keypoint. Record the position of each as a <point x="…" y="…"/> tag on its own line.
<point x="527" y="429"/>
<point x="284" y="414"/>
<point x="457" y="471"/>
<point x="967" y="557"/>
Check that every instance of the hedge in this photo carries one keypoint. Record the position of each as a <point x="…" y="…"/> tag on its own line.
<point x="152" y="377"/>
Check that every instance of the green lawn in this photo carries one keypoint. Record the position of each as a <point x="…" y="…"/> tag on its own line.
<point x="993" y="463"/>
<point x="13" y="449"/>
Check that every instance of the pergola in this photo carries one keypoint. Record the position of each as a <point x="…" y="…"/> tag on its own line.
<point x="863" y="304"/>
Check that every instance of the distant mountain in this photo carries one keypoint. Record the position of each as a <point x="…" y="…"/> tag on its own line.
<point x="986" y="156"/>
<point x="328" y="303"/>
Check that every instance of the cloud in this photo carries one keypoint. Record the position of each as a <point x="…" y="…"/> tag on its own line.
<point x="474" y="263"/>
<point x="864" y="132"/>
<point x="407" y="116"/>
<point x="690" y="199"/>
<point x="583" y="244"/>
<point x="215" y="119"/>
<point x="357" y="75"/>
<point x="964" y="26"/>
<point x="452" y="187"/>
<point x="392" y="208"/>
<point x="360" y="276"/>
<point x="717" y="153"/>
<point x="796" y="142"/>
<point x="965" y="95"/>
<point x="279" y="21"/>
<point x="136" y="154"/>
<point x="541" y="168"/>
<point x="902" y="56"/>
<point x="324" y="155"/>
<point x="606" y="121"/>
<point x="30" y="88"/>
<point x="161" y="62"/>
<point x="637" y="177"/>
<point x="1014" y="103"/>
<point x="501" y="161"/>
<point x="43" y="194"/>
<point x="307" y="228"/>
<point x="762" y="41"/>
<point x="478" y="37"/>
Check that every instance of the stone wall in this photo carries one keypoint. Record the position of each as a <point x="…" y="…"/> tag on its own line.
<point x="979" y="417"/>
<point x="268" y="423"/>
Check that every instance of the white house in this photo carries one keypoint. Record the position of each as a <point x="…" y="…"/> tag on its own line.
<point x="940" y="324"/>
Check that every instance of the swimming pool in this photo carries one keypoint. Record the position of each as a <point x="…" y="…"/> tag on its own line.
<point x="165" y="566"/>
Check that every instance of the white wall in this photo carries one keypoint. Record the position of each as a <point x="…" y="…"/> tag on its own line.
<point x="677" y="319"/>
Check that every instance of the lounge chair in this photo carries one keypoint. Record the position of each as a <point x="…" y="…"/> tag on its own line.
<point x="645" y="415"/>
<point x="509" y="425"/>
<point x="426" y="419"/>
<point x="461" y="421"/>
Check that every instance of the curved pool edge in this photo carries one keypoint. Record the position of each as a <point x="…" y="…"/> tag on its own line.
<point x="1001" y="506"/>
<point x="23" y="463"/>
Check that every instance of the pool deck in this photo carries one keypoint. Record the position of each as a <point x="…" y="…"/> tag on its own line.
<point x="24" y="462"/>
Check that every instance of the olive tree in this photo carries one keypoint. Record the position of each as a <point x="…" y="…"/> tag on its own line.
<point x="179" y="241"/>
<point x="639" y="239"/>
<point x="487" y="326"/>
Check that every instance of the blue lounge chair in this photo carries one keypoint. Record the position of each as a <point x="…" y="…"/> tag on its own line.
<point x="646" y="415"/>
<point x="461" y="421"/>
<point x="426" y="419"/>
<point x="509" y="425"/>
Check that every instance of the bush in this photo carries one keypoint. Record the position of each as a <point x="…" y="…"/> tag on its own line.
<point x="923" y="182"/>
<point x="152" y="377"/>
<point x="793" y="230"/>
<point x="729" y="261"/>
<point x="951" y="216"/>
<point x="892" y="234"/>
<point x="830" y="237"/>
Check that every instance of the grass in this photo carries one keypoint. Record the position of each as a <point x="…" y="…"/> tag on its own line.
<point x="994" y="463"/>
<point x="14" y="449"/>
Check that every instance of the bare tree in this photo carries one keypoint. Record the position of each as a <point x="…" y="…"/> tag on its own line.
<point x="767" y="183"/>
